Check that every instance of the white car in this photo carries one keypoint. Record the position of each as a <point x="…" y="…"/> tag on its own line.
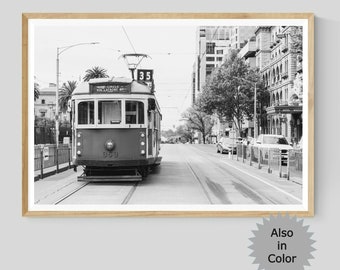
<point x="226" y="145"/>
<point x="266" y="142"/>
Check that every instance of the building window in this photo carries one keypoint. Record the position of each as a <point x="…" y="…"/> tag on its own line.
<point x="219" y="51"/>
<point x="210" y="49"/>
<point x="219" y="59"/>
<point x="43" y="101"/>
<point x="210" y="58"/>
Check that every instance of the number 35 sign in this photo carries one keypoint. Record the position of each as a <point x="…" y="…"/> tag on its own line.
<point x="145" y="75"/>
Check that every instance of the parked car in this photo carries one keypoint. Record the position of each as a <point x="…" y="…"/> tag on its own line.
<point x="267" y="142"/>
<point x="226" y="145"/>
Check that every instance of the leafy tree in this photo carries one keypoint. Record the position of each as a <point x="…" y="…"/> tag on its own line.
<point x="36" y="91"/>
<point x="168" y="133"/>
<point x="198" y="120"/>
<point x="95" y="72"/>
<point x="65" y="94"/>
<point x="229" y="91"/>
<point x="185" y="132"/>
<point x="296" y="39"/>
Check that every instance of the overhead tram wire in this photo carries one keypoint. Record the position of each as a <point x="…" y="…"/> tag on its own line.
<point x="127" y="36"/>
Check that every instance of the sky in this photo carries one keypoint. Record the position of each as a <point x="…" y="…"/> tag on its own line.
<point x="171" y="48"/>
<point x="170" y="43"/>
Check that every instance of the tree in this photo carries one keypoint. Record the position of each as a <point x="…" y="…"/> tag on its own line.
<point x="296" y="39"/>
<point x="65" y="94"/>
<point x="198" y="120"/>
<point x="36" y="91"/>
<point x="95" y="72"/>
<point x="185" y="132"/>
<point x="229" y="91"/>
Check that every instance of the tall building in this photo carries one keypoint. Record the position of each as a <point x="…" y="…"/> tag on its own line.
<point x="248" y="52"/>
<point x="212" y="43"/>
<point x="239" y="35"/>
<point x="281" y="68"/>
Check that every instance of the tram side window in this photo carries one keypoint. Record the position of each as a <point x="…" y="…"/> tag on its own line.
<point x="86" y="113"/>
<point x="109" y="112"/>
<point x="134" y="112"/>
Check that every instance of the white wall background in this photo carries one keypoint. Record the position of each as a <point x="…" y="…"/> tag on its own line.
<point x="161" y="243"/>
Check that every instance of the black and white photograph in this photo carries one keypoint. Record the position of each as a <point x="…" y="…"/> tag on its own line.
<point x="161" y="115"/>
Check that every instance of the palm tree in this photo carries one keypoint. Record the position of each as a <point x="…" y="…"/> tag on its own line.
<point x="36" y="91"/>
<point x="95" y="72"/>
<point x="65" y="94"/>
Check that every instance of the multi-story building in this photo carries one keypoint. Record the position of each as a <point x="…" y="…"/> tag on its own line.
<point x="281" y="68"/>
<point x="239" y="35"/>
<point x="248" y="52"/>
<point x="212" y="43"/>
<point x="44" y="106"/>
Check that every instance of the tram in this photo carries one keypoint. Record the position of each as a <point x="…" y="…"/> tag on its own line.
<point x="116" y="129"/>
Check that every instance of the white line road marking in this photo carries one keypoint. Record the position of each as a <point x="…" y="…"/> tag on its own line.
<point x="265" y="182"/>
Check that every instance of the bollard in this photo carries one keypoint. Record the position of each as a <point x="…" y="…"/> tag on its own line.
<point x="280" y="164"/>
<point x="69" y="157"/>
<point x="41" y="163"/>
<point x="229" y="155"/>
<point x="259" y="153"/>
<point x="269" y="169"/>
<point x="288" y="166"/>
<point x="57" y="155"/>
<point x="237" y="152"/>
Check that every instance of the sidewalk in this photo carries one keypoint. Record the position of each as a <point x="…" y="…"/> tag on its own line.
<point x="51" y="170"/>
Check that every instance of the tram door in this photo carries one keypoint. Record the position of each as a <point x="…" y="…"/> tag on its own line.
<point x="151" y="139"/>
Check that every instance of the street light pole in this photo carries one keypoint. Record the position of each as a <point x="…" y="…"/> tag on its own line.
<point x="60" y="50"/>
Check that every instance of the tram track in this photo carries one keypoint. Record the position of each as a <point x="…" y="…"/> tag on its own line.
<point x="71" y="193"/>
<point x="124" y="201"/>
<point x="130" y="194"/>
<point x="200" y="181"/>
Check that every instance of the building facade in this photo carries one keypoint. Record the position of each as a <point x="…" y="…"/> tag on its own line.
<point x="239" y="35"/>
<point x="44" y="105"/>
<point x="212" y="44"/>
<point x="281" y="68"/>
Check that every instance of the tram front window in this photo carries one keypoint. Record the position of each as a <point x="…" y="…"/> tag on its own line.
<point x="109" y="112"/>
<point x="86" y="113"/>
<point x="134" y="112"/>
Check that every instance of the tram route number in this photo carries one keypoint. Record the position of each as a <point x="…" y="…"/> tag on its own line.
<point x="107" y="154"/>
<point x="145" y="75"/>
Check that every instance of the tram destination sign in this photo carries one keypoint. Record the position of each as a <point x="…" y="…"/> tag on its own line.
<point x="110" y="88"/>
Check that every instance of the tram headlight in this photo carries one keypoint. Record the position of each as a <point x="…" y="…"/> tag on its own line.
<point x="109" y="145"/>
<point x="78" y="152"/>
<point x="142" y="152"/>
<point x="142" y="143"/>
<point x="78" y="144"/>
<point x="142" y="134"/>
<point x="79" y="134"/>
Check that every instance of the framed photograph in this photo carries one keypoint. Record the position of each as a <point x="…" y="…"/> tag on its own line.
<point x="166" y="114"/>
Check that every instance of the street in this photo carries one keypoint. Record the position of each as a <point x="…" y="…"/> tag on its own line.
<point x="189" y="174"/>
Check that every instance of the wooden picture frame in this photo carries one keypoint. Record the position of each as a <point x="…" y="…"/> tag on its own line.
<point x="29" y="208"/>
